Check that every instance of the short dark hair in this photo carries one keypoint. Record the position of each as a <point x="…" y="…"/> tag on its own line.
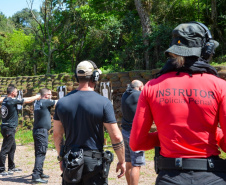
<point x="43" y="91"/>
<point x="10" y="88"/>
<point x="84" y="78"/>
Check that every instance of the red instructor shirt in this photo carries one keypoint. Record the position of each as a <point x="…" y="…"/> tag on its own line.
<point x="186" y="111"/>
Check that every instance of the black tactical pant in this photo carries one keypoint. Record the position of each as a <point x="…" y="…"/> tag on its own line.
<point x="92" y="173"/>
<point x="8" y="147"/>
<point x="40" y="144"/>
<point x="169" y="177"/>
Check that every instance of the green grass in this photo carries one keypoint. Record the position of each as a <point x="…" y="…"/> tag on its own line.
<point x="25" y="137"/>
<point x="218" y="64"/>
<point x="106" y="136"/>
<point x="51" y="142"/>
<point x="149" y="155"/>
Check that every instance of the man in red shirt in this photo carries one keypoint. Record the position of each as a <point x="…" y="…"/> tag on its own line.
<point x="186" y="101"/>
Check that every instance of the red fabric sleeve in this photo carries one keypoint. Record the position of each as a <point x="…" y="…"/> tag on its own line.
<point x="222" y="120"/>
<point x="140" y="138"/>
<point x="220" y="139"/>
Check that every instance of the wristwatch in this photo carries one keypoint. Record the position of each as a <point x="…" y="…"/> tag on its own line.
<point x="59" y="158"/>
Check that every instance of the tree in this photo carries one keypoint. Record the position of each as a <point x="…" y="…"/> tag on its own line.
<point x="23" y="20"/>
<point x="13" y="50"/>
<point x="57" y="28"/>
<point x="146" y="29"/>
<point x="6" y="25"/>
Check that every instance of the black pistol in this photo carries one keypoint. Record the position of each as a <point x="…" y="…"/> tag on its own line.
<point x="108" y="157"/>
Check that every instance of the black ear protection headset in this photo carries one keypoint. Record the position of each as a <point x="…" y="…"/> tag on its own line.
<point x="208" y="48"/>
<point x="95" y="76"/>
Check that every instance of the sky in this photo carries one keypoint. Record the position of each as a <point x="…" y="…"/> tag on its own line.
<point x="10" y="7"/>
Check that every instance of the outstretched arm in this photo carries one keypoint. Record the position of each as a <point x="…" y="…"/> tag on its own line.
<point x="32" y="98"/>
<point x="118" y="146"/>
<point x="1" y="99"/>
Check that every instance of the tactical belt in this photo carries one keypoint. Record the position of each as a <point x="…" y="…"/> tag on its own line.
<point x="93" y="154"/>
<point x="208" y="164"/>
<point x="87" y="153"/>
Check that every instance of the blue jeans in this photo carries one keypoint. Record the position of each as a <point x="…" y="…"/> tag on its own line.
<point x="169" y="177"/>
<point x="136" y="158"/>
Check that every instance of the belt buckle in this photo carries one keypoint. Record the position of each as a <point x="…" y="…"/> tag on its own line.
<point x="210" y="162"/>
<point x="178" y="162"/>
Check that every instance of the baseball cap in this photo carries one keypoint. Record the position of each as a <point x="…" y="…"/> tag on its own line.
<point x="188" y="40"/>
<point x="86" y="68"/>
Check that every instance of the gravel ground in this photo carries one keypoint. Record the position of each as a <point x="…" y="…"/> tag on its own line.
<point x="24" y="159"/>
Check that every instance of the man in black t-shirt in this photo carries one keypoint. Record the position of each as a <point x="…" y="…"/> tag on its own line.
<point x="8" y="128"/>
<point x="81" y="116"/>
<point x="134" y="160"/>
<point x="42" y="124"/>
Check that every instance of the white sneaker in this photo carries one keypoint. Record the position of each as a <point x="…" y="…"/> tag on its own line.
<point x="4" y="173"/>
<point x="10" y="172"/>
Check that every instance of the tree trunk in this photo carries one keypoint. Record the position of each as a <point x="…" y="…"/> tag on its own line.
<point x="213" y="16"/>
<point x="145" y="22"/>
<point x="35" y="69"/>
<point x="49" y="59"/>
<point x="73" y="59"/>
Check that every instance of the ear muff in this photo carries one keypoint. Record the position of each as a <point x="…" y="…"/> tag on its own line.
<point x="96" y="75"/>
<point x="76" y="77"/>
<point x="208" y="47"/>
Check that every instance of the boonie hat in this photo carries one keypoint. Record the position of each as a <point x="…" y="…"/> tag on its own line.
<point x="188" y="40"/>
<point x="86" y="68"/>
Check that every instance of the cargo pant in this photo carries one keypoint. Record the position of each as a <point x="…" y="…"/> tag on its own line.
<point x="40" y="144"/>
<point x="8" y="147"/>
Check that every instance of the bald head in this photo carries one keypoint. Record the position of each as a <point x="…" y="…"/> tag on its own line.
<point x="137" y="85"/>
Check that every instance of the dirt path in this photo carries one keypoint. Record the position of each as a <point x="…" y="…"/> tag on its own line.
<point x="24" y="159"/>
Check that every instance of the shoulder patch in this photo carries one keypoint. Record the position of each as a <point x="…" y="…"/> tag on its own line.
<point x="4" y="111"/>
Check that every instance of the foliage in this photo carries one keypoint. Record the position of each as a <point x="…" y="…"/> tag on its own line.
<point x="6" y="25"/>
<point x="221" y="60"/>
<point x="14" y="49"/>
<point x="159" y="40"/>
<point x="23" y="20"/>
<point x="110" y="33"/>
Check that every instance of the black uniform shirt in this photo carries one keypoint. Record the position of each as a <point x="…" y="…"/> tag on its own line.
<point x="42" y="117"/>
<point x="9" y="111"/>
<point x="82" y="114"/>
<point x="129" y="106"/>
